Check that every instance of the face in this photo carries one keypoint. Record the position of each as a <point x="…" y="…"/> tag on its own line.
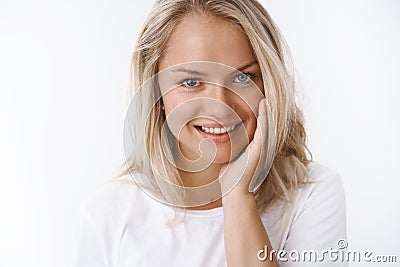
<point x="211" y="106"/>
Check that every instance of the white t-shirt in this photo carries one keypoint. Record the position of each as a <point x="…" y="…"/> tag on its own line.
<point x="120" y="225"/>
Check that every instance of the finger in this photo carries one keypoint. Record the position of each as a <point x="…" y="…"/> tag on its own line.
<point x="248" y="162"/>
<point x="261" y="130"/>
<point x="256" y="147"/>
<point x="264" y="127"/>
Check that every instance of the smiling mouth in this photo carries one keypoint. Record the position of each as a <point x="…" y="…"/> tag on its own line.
<point x="217" y="130"/>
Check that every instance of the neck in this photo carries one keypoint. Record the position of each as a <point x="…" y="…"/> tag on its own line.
<point x="199" y="178"/>
<point x="206" y="176"/>
<point x="195" y="179"/>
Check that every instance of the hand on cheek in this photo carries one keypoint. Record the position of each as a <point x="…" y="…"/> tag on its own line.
<point x="241" y="174"/>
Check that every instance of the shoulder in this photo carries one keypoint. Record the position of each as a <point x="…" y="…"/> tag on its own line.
<point x="111" y="199"/>
<point x="319" y="217"/>
<point x="324" y="183"/>
<point x="102" y="219"/>
<point x="320" y="172"/>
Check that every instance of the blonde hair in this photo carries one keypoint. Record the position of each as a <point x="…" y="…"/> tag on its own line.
<point x="289" y="169"/>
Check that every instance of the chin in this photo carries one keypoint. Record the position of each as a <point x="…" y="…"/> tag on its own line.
<point x="223" y="157"/>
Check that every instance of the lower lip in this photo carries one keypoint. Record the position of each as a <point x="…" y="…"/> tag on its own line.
<point x="219" y="138"/>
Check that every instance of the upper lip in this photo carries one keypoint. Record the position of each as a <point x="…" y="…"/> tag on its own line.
<point x="217" y="125"/>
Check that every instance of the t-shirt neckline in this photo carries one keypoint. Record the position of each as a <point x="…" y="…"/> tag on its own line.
<point x="205" y="213"/>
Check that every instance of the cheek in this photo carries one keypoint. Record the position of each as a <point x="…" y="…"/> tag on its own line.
<point x="247" y="105"/>
<point x="251" y="129"/>
<point x="248" y="100"/>
<point x="247" y="108"/>
<point x="179" y="110"/>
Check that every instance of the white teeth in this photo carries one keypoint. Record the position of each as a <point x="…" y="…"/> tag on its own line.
<point x="218" y="130"/>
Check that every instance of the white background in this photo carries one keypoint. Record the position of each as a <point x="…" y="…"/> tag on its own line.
<point x="64" y="70"/>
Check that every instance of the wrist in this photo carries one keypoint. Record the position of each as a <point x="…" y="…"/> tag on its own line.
<point x="239" y="200"/>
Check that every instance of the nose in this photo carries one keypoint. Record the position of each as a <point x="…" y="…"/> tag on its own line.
<point x="225" y="100"/>
<point x="219" y="93"/>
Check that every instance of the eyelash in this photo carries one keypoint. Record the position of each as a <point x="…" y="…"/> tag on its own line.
<point x="198" y="81"/>
<point x="185" y="81"/>
<point x="248" y="74"/>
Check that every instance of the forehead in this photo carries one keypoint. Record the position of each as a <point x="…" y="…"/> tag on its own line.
<point x="200" y="37"/>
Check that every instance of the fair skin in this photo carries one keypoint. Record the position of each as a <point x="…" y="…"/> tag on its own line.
<point x="209" y="39"/>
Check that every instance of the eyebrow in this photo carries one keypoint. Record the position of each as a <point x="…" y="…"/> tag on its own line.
<point x="255" y="62"/>
<point x="194" y="72"/>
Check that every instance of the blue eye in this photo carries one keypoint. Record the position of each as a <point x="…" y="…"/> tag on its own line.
<point x="242" y="78"/>
<point x="191" y="83"/>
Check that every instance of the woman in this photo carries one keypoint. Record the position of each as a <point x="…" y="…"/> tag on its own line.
<point x="213" y="133"/>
